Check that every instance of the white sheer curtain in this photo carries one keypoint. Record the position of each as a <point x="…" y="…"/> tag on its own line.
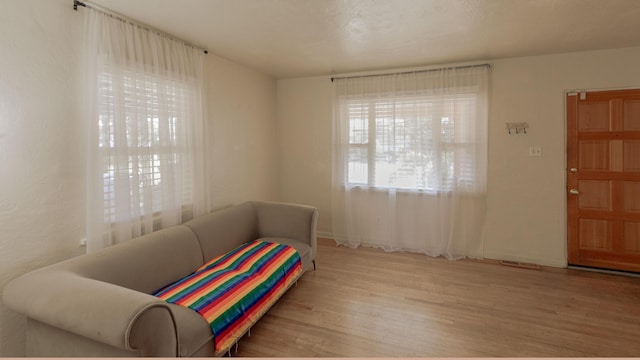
<point x="410" y="161"/>
<point x="146" y="147"/>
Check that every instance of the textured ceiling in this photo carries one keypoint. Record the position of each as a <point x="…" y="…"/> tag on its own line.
<point x="294" y="38"/>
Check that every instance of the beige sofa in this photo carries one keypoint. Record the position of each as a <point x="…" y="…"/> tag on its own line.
<point x="100" y="305"/>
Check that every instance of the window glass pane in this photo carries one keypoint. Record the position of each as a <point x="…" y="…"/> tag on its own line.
<point x="358" y="131"/>
<point x="358" y="124"/>
<point x="358" y="165"/>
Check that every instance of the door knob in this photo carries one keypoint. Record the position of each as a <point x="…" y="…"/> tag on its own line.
<point x="574" y="192"/>
<point x="573" y="170"/>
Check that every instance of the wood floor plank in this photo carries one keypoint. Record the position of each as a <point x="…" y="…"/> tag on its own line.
<point x="370" y="303"/>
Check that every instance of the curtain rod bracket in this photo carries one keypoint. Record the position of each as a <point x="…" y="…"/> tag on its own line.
<point x="76" y="3"/>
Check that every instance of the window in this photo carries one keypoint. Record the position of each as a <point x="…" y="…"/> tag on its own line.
<point x="147" y="165"/>
<point x="411" y="142"/>
<point x="409" y="160"/>
<point x="146" y="152"/>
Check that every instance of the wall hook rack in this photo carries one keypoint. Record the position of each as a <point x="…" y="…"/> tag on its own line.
<point x="517" y="127"/>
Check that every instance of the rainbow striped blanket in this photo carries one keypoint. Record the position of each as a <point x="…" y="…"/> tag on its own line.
<point x="234" y="290"/>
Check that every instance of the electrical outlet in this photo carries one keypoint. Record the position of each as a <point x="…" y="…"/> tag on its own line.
<point x="535" y="151"/>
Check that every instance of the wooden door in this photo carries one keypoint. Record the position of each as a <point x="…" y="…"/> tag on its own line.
<point x="603" y="179"/>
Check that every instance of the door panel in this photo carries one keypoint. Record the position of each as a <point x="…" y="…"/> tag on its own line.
<point x="631" y="115"/>
<point x="632" y="237"/>
<point x="632" y="196"/>
<point x="594" y="195"/>
<point x="593" y="116"/>
<point x="603" y="179"/>
<point x="630" y="157"/>
<point x="594" y="155"/>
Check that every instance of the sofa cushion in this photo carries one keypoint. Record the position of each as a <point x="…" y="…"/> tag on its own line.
<point x="145" y="263"/>
<point x="224" y="230"/>
<point x="234" y="290"/>
<point x="304" y="250"/>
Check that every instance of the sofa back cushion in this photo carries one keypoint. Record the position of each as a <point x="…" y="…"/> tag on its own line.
<point x="225" y="229"/>
<point x="145" y="263"/>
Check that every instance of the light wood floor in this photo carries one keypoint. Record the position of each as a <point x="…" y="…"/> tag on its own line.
<point x="369" y="303"/>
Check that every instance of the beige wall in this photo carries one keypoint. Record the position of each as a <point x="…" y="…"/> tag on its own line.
<point x="243" y="132"/>
<point x="41" y="192"/>
<point x="526" y="195"/>
<point x="42" y="141"/>
<point x="304" y="130"/>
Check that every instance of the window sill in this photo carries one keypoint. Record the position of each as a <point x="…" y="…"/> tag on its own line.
<point x="429" y="192"/>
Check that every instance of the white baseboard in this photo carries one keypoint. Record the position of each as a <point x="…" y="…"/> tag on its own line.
<point x="325" y="235"/>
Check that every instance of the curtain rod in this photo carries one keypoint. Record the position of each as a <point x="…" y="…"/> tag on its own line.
<point x="410" y="71"/>
<point x="122" y="18"/>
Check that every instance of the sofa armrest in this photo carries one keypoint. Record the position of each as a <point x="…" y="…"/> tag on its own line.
<point x="107" y="313"/>
<point x="293" y="221"/>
